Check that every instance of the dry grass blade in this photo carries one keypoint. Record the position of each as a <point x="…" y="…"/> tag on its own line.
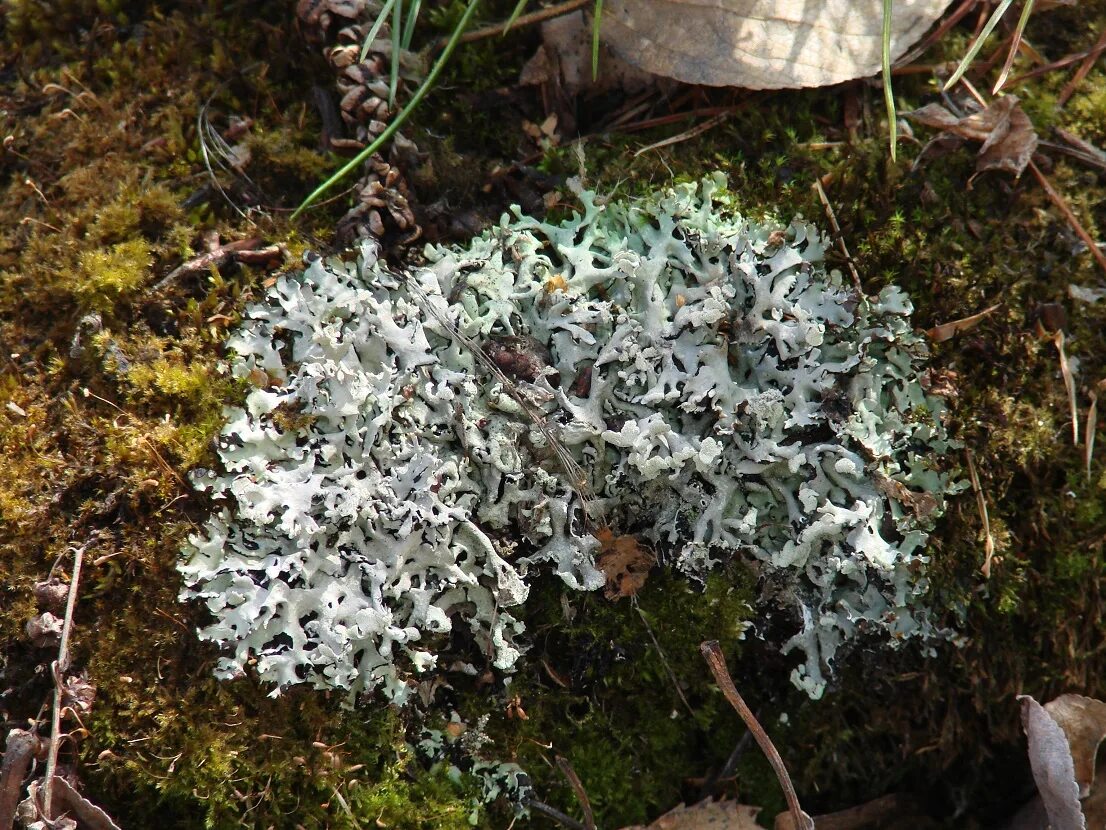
<point x="946" y="331"/>
<point x="984" y="518"/>
<point x="578" y="788"/>
<point x="1069" y="385"/>
<point x="712" y="653"/>
<point x="966" y="63"/>
<point x="1015" y="45"/>
<point x="1092" y="426"/>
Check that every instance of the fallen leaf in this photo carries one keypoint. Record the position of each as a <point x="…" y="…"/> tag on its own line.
<point x="624" y="561"/>
<point x="1083" y="720"/>
<point x="762" y="44"/>
<point x="706" y="815"/>
<point x="1053" y="770"/>
<point x="1007" y="135"/>
<point x="946" y="331"/>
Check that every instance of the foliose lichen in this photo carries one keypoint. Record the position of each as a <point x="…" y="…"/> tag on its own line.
<point x="410" y="452"/>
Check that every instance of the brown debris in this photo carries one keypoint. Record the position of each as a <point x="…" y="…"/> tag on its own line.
<point x="624" y="561"/>
<point x="706" y="815"/>
<point x="946" y="331"/>
<point x="1007" y="135"/>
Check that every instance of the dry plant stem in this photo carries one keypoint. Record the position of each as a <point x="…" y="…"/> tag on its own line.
<point x="832" y="217"/>
<point x="712" y="653"/>
<point x="555" y="814"/>
<point x="60" y="666"/>
<point x="1060" y="63"/>
<point x="1076" y="225"/>
<point x="1083" y="70"/>
<point x="981" y="504"/>
<point x="938" y="33"/>
<point x="19" y="750"/>
<point x="524" y="20"/>
<point x="578" y="788"/>
<point x="699" y="129"/>
<point x="1069" y="385"/>
<point x="85" y="811"/>
<point x="1092" y="428"/>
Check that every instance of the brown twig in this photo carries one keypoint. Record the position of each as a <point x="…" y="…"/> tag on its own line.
<point x="863" y="815"/>
<point x="1060" y="63"/>
<point x="1082" y="71"/>
<point x="698" y="129"/>
<point x="577" y="787"/>
<point x="712" y="653"/>
<point x="984" y="517"/>
<point x="524" y="20"/>
<point x="832" y="217"/>
<point x="60" y="666"/>
<point x="1073" y="220"/>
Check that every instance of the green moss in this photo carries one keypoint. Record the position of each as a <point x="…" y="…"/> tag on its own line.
<point x="108" y="276"/>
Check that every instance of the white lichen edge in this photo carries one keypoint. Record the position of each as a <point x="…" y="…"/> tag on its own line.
<point x="741" y="400"/>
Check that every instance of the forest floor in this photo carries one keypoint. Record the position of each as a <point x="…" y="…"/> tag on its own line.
<point x="112" y="391"/>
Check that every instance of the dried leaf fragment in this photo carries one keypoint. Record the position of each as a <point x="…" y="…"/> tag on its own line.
<point x="706" y="815"/>
<point x="1053" y="769"/>
<point x="762" y="44"/>
<point x="624" y="561"/>
<point x="946" y="331"/>
<point x="1083" y="720"/>
<point x="1009" y="140"/>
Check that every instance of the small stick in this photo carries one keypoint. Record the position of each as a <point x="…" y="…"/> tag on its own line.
<point x="698" y="129"/>
<point x="981" y="504"/>
<point x="1082" y="71"/>
<point x="525" y="20"/>
<point x="577" y="787"/>
<point x="837" y="233"/>
<point x="555" y="814"/>
<point x="712" y="653"/>
<point x="60" y="666"/>
<point x="1073" y="220"/>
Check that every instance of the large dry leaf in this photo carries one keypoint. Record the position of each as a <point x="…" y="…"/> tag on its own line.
<point x="762" y="44"/>
<point x="1053" y="770"/>
<point x="1083" y="720"/>
<point x="1009" y="140"/>
<point x="706" y="815"/>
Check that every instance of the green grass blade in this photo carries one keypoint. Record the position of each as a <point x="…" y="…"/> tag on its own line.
<point x="401" y="116"/>
<point x="595" y="39"/>
<point x="409" y="26"/>
<point x="375" y="30"/>
<point x="514" y="16"/>
<point x="393" y="82"/>
<point x="1015" y="44"/>
<point x="888" y="91"/>
<point x="996" y="16"/>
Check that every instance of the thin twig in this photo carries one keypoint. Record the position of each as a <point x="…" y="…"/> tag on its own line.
<point x="60" y="666"/>
<point x="1060" y="63"/>
<point x="832" y="217"/>
<point x="698" y="129"/>
<point x="1073" y="220"/>
<point x="981" y="504"/>
<point x="712" y="653"/>
<point x="577" y="787"/>
<point x="664" y="659"/>
<point x="555" y="814"/>
<point x="1082" y="71"/>
<point x="525" y="20"/>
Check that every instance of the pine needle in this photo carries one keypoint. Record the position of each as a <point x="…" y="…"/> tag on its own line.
<point x="1015" y="45"/>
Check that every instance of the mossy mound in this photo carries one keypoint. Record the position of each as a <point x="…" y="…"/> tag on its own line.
<point x="102" y="195"/>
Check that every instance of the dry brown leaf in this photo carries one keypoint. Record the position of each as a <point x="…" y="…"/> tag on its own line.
<point x="946" y="331"/>
<point x="706" y="815"/>
<point x="1083" y="720"/>
<point x="624" y="561"/>
<point x="1053" y="770"/>
<point x="1009" y="140"/>
<point x="762" y="44"/>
